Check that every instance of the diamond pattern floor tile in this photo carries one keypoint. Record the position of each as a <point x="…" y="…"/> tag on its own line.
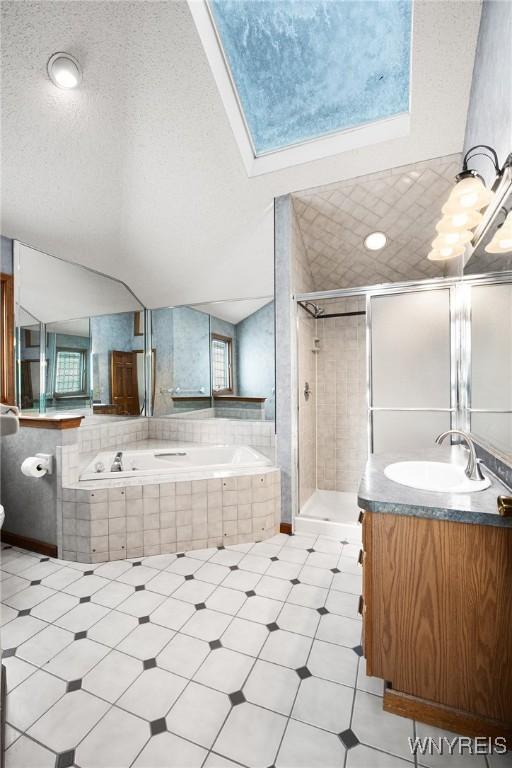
<point x="170" y="751"/>
<point x="115" y="741"/>
<point x="198" y="714"/>
<point x="151" y="663"/>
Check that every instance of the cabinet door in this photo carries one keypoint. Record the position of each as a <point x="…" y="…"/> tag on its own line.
<point x="440" y="612"/>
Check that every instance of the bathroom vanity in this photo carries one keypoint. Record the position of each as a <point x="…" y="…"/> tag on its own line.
<point x="436" y="602"/>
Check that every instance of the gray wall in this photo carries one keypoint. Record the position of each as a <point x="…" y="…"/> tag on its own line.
<point x="286" y="428"/>
<point x="489" y="118"/>
<point x="30" y="504"/>
<point x="191" y="349"/>
<point x="255" y="357"/>
<point x="181" y="340"/>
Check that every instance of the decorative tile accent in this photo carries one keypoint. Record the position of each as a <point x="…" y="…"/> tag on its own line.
<point x="149" y="663"/>
<point x="158" y="726"/>
<point x="214" y="644"/>
<point x="348" y="738"/>
<point x="237" y="698"/>
<point x="303" y="673"/>
<point x="73" y="685"/>
<point x="65" y="759"/>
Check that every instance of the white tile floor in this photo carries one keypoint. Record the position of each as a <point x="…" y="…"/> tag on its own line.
<point x="218" y="658"/>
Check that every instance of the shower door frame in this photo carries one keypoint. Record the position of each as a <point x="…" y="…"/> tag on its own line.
<point x="460" y="345"/>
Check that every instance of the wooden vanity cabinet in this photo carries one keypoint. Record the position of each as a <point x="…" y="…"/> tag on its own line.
<point x="437" y="620"/>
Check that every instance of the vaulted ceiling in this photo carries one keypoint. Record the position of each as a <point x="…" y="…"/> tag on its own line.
<point x="404" y="203"/>
<point x="137" y="172"/>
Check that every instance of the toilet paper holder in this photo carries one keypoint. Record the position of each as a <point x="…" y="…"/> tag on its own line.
<point x="44" y="465"/>
<point x="46" y="462"/>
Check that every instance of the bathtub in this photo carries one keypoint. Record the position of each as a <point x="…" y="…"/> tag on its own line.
<point x="177" y="462"/>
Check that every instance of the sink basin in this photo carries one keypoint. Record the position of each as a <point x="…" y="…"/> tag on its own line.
<point x="434" y="476"/>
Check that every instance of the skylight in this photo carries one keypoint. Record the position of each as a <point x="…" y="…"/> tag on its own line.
<point x="307" y="69"/>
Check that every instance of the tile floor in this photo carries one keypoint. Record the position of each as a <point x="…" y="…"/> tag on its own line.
<point x="248" y="655"/>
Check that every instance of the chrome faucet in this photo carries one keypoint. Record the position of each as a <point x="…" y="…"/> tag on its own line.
<point x="117" y="464"/>
<point x="473" y="470"/>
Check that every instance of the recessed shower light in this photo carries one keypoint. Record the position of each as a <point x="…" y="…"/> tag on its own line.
<point x="375" y="241"/>
<point x="64" y="70"/>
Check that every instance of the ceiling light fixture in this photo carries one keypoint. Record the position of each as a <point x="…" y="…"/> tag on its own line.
<point x="64" y="70"/>
<point x="502" y="239"/>
<point x="461" y="212"/>
<point x="375" y="241"/>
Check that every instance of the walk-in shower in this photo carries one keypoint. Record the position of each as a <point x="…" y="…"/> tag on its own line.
<point x="388" y="368"/>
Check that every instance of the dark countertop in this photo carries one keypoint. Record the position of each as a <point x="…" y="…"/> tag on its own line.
<point x="379" y="494"/>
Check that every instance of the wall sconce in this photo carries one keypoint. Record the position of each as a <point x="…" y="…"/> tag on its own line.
<point x="461" y="212"/>
<point x="502" y="238"/>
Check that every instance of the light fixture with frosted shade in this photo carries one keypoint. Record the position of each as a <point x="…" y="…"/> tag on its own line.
<point x="457" y="222"/>
<point x="461" y="212"/>
<point x="469" y="194"/>
<point x="452" y="238"/>
<point x="502" y="238"/>
<point x="445" y="252"/>
<point x="375" y="241"/>
<point x="64" y="70"/>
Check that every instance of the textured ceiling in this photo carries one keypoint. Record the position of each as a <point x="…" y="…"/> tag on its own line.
<point x="137" y="172"/>
<point x="404" y="203"/>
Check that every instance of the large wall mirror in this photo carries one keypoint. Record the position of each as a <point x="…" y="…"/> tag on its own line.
<point x="491" y="366"/>
<point x="215" y="359"/>
<point x="80" y="339"/>
<point x="490" y="375"/>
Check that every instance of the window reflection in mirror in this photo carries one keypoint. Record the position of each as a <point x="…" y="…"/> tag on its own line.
<point x="68" y="365"/>
<point x="215" y="359"/>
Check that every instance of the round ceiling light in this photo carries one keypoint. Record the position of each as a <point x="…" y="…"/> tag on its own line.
<point x="64" y="70"/>
<point x="375" y="241"/>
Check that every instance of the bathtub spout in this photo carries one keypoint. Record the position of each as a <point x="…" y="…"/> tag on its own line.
<point x="117" y="465"/>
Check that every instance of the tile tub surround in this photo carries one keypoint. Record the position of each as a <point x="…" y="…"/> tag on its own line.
<point x="207" y="430"/>
<point x="111" y="435"/>
<point x="379" y="494"/>
<point x="255" y="660"/>
<point x="109" y="520"/>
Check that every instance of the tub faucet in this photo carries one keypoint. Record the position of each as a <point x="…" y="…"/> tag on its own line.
<point x="473" y="470"/>
<point x="117" y="464"/>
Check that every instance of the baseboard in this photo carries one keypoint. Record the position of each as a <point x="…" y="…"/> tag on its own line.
<point x="286" y="528"/>
<point x="447" y="718"/>
<point x="25" y="542"/>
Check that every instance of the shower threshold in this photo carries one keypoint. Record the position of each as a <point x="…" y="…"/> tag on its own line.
<point x="330" y="513"/>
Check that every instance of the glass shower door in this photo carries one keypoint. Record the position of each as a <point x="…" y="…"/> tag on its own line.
<point x="412" y="392"/>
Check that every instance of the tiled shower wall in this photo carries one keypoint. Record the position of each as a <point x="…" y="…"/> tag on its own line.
<point x="341" y="397"/>
<point x="306" y="333"/>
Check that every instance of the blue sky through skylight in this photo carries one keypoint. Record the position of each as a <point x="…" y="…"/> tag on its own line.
<point x="307" y="68"/>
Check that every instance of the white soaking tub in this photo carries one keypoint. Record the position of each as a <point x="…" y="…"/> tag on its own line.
<point x="176" y="462"/>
